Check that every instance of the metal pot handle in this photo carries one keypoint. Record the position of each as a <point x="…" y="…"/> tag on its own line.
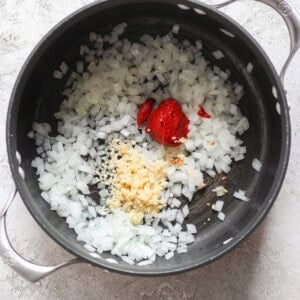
<point x="292" y="19"/>
<point x="28" y="270"/>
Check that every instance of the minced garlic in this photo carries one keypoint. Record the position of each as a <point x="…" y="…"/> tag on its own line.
<point x="137" y="184"/>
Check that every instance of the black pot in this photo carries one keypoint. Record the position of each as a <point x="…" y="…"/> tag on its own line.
<point x="36" y="96"/>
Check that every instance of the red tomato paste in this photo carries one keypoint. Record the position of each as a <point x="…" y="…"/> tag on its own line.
<point x="167" y="124"/>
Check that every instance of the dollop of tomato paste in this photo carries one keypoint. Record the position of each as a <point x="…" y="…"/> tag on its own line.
<point x="202" y="113"/>
<point x="144" y="111"/>
<point x="167" y="124"/>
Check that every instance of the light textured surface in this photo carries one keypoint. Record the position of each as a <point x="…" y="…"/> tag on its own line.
<point x="266" y="266"/>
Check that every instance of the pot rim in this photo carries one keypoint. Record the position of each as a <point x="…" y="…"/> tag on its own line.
<point x="255" y="221"/>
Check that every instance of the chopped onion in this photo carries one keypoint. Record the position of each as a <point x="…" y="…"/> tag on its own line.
<point x="221" y="216"/>
<point x="175" y="28"/>
<point x="256" y="164"/>
<point x="220" y="190"/>
<point x="63" y="67"/>
<point x="250" y="68"/>
<point x="57" y="74"/>
<point x="218" y="54"/>
<point x="240" y="195"/>
<point x="218" y="206"/>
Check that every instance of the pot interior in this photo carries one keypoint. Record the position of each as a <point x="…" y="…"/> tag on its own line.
<point x="37" y="97"/>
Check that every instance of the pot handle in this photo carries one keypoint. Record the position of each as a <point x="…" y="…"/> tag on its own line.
<point x="28" y="270"/>
<point x="292" y="19"/>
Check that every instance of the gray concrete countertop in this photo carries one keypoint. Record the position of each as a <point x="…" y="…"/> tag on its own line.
<point x="266" y="266"/>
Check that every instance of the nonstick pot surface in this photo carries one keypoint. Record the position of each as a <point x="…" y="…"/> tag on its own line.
<point x="37" y="96"/>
